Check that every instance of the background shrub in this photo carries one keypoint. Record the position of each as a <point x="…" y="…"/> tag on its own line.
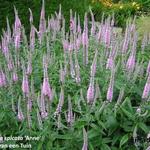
<point x="7" y="10"/>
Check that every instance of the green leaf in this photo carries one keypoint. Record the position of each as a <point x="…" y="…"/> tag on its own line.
<point x="124" y="139"/>
<point x="91" y="146"/>
<point x="105" y="147"/>
<point x="92" y="133"/>
<point x="64" y="137"/>
<point x="102" y="124"/>
<point x="127" y="104"/>
<point x="115" y="139"/>
<point x="111" y="122"/>
<point x="39" y="146"/>
<point x="128" y="114"/>
<point x="143" y="127"/>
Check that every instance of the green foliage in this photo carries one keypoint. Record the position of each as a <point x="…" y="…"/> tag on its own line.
<point x="144" y="4"/>
<point x="122" y="12"/>
<point x="7" y="10"/>
<point x="143" y="25"/>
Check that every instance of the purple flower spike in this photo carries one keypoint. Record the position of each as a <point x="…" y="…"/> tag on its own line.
<point x="2" y="79"/>
<point x="85" y="144"/>
<point x="110" y="63"/>
<point x="85" y="38"/>
<point x="131" y="63"/>
<point x="25" y="84"/>
<point x="148" y="69"/>
<point x="65" y="45"/>
<point x="62" y="74"/>
<point x="79" y="26"/>
<point x="10" y="66"/>
<point x="46" y="90"/>
<point x="78" y="43"/>
<point x="42" y="26"/>
<point x="29" y="104"/>
<point x="29" y="67"/>
<point x="44" y="114"/>
<point x="32" y="37"/>
<point x="72" y="24"/>
<point x="94" y="64"/>
<point x="90" y="93"/>
<point x="107" y="35"/>
<point x="20" y="115"/>
<point x="4" y="47"/>
<point x="110" y="93"/>
<point x="70" y="118"/>
<point x="93" y="23"/>
<point x="110" y="87"/>
<point x="17" y="30"/>
<point x="15" y="77"/>
<point x="146" y="90"/>
<point x="61" y="102"/>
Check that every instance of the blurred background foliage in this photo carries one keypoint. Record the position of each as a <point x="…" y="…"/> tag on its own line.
<point x="122" y="10"/>
<point x="7" y="10"/>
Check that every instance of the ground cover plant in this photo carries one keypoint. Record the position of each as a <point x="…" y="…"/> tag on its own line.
<point x="82" y="88"/>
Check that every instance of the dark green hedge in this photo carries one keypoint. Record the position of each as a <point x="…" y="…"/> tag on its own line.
<point x="7" y="9"/>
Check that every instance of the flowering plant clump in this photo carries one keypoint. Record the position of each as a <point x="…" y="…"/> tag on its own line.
<point x="86" y="88"/>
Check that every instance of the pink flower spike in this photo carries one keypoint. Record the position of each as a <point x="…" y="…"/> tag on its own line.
<point x="79" y="26"/>
<point x="110" y="87"/>
<point x="29" y="67"/>
<point x="93" y="23"/>
<point x="20" y="115"/>
<point x="29" y="104"/>
<point x="85" y="144"/>
<point x="70" y="118"/>
<point x="2" y="79"/>
<point x="84" y="38"/>
<point x="61" y="102"/>
<point x="15" y="77"/>
<point x="25" y="84"/>
<point x="148" y="69"/>
<point x="43" y="111"/>
<point x="78" y="43"/>
<point x="31" y="16"/>
<point x="110" y="63"/>
<point x="42" y="26"/>
<point x="32" y="37"/>
<point x="146" y="90"/>
<point x="94" y="64"/>
<point x="46" y="90"/>
<point x="65" y="45"/>
<point x="10" y="65"/>
<point x="90" y="93"/>
<point x="44" y="114"/>
<point x="72" y="24"/>
<point x="131" y="63"/>
<point x="110" y="93"/>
